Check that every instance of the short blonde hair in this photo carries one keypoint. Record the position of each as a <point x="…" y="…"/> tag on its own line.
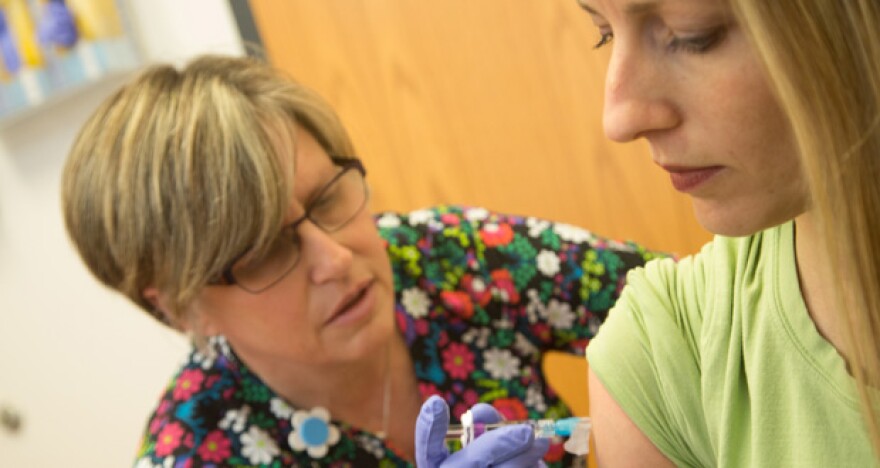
<point x="176" y="174"/>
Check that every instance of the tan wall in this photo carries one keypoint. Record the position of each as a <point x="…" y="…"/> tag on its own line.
<point x="495" y="103"/>
<point x="479" y="102"/>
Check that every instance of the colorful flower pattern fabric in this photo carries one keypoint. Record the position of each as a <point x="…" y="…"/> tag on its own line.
<point x="480" y="297"/>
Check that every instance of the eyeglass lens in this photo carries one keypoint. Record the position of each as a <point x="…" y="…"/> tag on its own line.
<point x="333" y="208"/>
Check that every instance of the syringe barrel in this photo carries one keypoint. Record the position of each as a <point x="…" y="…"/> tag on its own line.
<point x="543" y="428"/>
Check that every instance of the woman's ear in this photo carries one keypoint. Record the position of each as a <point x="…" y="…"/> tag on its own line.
<point x="161" y="307"/>
<point x="193" y="322"/>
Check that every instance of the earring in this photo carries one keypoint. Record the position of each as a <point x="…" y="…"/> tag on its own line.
<point x="205" y="345"/>
<point x="160" y="316"/>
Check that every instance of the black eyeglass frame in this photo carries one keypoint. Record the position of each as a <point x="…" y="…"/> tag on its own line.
<point x="227" y="278"/>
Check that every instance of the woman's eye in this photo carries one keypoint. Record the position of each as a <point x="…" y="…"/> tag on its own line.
<point x="697" y="44"/>
<point x="604" y="39"/>
<point x="326" y="199"/>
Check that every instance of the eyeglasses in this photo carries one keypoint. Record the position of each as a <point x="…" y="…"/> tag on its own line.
<point x="335" y="205"/>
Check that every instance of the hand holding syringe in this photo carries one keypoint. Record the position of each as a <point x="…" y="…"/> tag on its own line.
<point x="576" y="429"/>
<point x="511" y="444"/>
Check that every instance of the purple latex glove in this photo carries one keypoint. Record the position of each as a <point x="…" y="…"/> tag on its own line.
<point x="510" y="446"/>
<point x="56" y="25"/>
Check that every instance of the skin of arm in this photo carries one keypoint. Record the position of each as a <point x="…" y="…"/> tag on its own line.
<point x="618" y="442"/>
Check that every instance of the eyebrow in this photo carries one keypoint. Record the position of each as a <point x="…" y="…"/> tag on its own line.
<point x="588" y="8"/>
<point x="632" y="8"/>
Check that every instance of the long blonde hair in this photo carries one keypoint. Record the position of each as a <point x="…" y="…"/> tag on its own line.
<point x="177" y="174"/>
<point x="823" y="57"/>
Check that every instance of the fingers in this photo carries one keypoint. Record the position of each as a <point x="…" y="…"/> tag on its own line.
<point x="507" y="447"/>
<point x="485" y="413"/>
<point x="498" y="447"/>
<point x="431" y="426"/>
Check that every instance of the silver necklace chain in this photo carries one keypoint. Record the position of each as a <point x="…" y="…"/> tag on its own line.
<point x="386" y="396"/>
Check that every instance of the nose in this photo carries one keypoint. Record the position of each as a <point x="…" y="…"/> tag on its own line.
<point x="637" y="97"/>
<point x="327" y="259"/>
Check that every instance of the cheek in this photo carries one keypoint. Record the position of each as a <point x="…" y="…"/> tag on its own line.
<point x="230" y="310"/>
<point x="769" y="141"/>
<point x="373" y="248"/>
<point x="370" y="247"/>
<point x="750" y="122"/>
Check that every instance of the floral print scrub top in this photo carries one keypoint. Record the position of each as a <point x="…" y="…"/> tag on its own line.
<point x="480" y="297"/>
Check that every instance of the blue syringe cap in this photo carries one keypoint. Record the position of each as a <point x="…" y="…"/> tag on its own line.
<point x="564" y="427"/>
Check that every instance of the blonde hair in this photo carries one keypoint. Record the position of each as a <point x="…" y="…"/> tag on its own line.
<point x="824" y="60"/>
<point x="177" y="174"/>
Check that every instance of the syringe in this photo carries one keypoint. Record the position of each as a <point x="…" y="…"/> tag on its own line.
<point x="577" y="429"/>
<point x="542" y="427"/>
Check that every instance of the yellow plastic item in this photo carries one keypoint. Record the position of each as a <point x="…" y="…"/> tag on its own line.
<point x="96" y="19"/>
<point x="21" y="25"/>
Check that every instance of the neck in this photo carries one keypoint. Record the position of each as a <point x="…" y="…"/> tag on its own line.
<point x="816" y="282"/>
<point x="330" y="385"/>
<point x="354" y="392"/>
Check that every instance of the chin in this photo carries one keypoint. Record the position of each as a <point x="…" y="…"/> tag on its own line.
<point x="729" y="224"/>
<point x="374" y="337"/>
<point x="743" y="214"/>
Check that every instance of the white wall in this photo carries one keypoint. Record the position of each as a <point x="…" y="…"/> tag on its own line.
<point x="80" y="364"/>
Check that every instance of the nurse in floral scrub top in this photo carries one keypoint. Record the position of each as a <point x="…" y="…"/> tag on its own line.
<point x="226" y="200"/>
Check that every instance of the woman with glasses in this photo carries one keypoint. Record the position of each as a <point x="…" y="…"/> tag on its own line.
<point x="226" y="201"/>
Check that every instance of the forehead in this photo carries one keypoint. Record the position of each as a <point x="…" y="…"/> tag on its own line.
<point x="297" y="149"/>
<point x="308" y="153"/>
<point x="312" y="166"/>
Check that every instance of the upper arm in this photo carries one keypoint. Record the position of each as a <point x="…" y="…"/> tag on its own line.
<point x="618" y="441"/>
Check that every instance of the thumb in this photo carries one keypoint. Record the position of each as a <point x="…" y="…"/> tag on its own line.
<point x="431" y="427"/>
<point x="506" y="446"/>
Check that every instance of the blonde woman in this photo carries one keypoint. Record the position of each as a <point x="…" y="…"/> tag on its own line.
<point x="764" y="348"/>
<point x="226" y="201"/>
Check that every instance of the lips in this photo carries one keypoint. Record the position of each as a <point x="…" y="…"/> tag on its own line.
<point x="354" y="303"/>
<point x="687" y="179"/>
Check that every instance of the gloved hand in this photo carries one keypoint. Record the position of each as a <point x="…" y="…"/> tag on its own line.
<point x="511" y="446"/>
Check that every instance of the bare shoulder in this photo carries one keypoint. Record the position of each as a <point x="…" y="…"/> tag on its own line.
<point x="618" y="441"/>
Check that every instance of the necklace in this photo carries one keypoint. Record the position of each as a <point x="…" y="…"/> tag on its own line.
<point x="312" y="428"/>
<point x="386" y="396"/>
